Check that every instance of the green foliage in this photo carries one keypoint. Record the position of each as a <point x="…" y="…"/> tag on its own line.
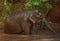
<point x="9" y="6"/>
<point x="28" y="6"/>
<point x="35" y="3"/>
<point x="38" y="4"/>
<point x="7" y="10"/>
<point x="49" y="6"/>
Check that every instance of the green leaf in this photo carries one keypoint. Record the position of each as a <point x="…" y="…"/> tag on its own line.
<point x="28" y="6"/>
<point x="35" y="3"/>
<point x="49" y="6"/>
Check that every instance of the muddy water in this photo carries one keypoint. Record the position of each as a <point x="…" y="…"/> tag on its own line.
<point x="8" y="37"/>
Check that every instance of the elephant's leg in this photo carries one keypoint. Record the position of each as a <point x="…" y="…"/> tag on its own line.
<point x="26" y="28"/>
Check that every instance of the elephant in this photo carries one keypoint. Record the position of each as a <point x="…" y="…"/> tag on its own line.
<point x="18" y="23"/>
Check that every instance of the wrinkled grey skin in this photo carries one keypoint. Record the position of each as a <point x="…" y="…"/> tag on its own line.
<point x="18" y="23"/>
